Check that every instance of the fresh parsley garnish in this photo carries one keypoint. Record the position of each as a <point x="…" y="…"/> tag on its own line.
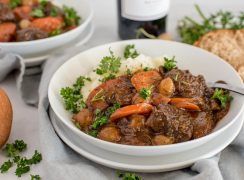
<point x="108" y="77"/>
<point x="55" y="32"/>
<point x="128" y="176"/>
<point x="35" y="177"/>
<point x="54" y="12"/>
<point x="99" y="121"/>
<point x="22" y="163"/>
<point x="6" y="166"/>
<point x="109" y="66"/>
<point x="73" y="99"/>
<point x="93" y="133"/>
<point x="37" y="12"/>
<point x="15" y="148"/>
<point x="43" y="3"/>
<point x="103" y="117"/>
<point x="169" y="64"/>
<point x="146" y="93"/>
<point x="130" y="51"/>
<point x="15" y="3"/>
<point x="36" y="158"/>
<point x="110" y="110"/>
<point x="128" y="72"/>
<point x="146" y="69"/>
<point x="71" y="18"/>
<point x="191" y="30"/>
<point x="222" y="96"/>
<point x="23" y="166"/>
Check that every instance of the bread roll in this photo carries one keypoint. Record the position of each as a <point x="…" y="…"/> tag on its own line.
<point x="227" y="44"/>
<point x="6" y="116"/>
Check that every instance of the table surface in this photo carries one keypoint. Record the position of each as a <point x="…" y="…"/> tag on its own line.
<point x="25" y="125"/>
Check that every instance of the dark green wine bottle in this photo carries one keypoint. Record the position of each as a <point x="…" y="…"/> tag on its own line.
<point x="142" y="18"/>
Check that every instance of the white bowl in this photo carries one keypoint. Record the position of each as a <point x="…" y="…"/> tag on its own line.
<point x="198" y="61"/>
<point x="44" y="46"/>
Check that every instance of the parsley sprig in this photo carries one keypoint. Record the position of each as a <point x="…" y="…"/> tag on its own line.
<point x="37" y="12"/>
<point x="14" y="149"/>
<point x="73" y="99"/>
<point x="169" y="63"/>
<point x="22" y="163"/>
<point x="222" y="96"/>
<point x="130" y="51"/>
<point x="35" y="177"/>
<point x="191" y="30"/>
<point x="14" y="3"/>
<point x="40" y="10"/>
<point x="71" y="18"/>
<point x="55" y="32"/>
<point x="128" y="176"/>
<point x="102" y="118"/>
<point x="109" y="66"/>
<point x="6" y="166"/>
<point x="146" y="93"/>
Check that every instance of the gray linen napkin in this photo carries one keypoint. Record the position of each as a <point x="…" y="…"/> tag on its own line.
<point x="28" y="78"/>
<point x="60" y="162"/>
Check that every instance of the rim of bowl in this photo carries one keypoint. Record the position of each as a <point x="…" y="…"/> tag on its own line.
<point x="80" y="26"/>
<point x="133" y="147"/>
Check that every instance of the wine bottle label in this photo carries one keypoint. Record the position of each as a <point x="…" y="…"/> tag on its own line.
<point x="144" y="10"/>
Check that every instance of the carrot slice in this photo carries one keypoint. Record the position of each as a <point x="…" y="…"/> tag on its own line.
<point x="7" y="30"/>
<point x="145" y="79"/>
<point x="187" y="105"/>
<point x="141" y="108"/>
<point x="48" y="24"/>
<point x="22" y="12"/>
<point x="178" y="100"/>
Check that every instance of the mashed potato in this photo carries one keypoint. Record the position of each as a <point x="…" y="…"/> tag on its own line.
<point x="139" y="62"/>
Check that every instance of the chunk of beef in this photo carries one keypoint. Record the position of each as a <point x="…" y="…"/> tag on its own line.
<point x="125" y="128"/>
<point x="22" y="12"/>
<point x="6" y="13"/>
<point x="202" y="124"/>
<point x="122" y="92"/>
<point x="186" y="84"/>
<point x="172" y="122"/>
<point x="141" y="138"/>
<point x="133" y="131"/>
<point x="30" y="34"/>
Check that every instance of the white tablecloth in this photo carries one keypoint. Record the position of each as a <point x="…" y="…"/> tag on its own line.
<point x="25" y="124"/>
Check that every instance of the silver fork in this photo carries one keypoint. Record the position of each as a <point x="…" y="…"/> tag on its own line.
<point x="229" y="87"/>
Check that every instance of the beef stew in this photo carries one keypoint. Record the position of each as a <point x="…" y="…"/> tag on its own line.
<point x="28" y="20"/>
<point x="151" y="106"/>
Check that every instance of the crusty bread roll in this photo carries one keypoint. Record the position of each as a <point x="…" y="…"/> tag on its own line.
<point x="6" y="116"/>
<point x="227" y="44"/>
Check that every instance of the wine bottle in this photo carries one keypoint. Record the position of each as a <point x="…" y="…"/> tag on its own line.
<point x="142" y="18"/>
